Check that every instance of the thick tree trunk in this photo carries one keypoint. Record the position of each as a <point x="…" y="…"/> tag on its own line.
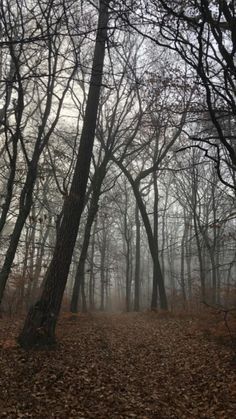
<point x="39" y="327"/>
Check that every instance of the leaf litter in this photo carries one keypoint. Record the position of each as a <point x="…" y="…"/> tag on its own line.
<point x="112" y="366"/>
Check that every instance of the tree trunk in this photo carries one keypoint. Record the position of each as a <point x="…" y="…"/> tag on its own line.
<point x="79" y="278"/>
<point x="10" y="184"/>
<point x="38" y="267"/>
<point x="127" y="279"/>
<point x="188" y="256"/>
<point x="91" y="275"/>
<point x="137" y="262"/>
<point x="39" y="327"/>
<point x="25" y="206"/>
<point x="103" y="276"/>
<point x="200" y="259"/>
<point x="154" y="302"/>
<point x="157" y="273"/>
<point x="182" y="266"/>
<point x="127" y="251"/>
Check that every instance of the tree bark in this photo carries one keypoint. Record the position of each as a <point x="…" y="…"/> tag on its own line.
<point x="40" y="324"/>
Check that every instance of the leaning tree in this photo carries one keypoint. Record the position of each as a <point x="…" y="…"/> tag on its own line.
<point x="39" y="327"/>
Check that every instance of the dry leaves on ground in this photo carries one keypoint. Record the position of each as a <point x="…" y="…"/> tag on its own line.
<point x="118" y="366"/>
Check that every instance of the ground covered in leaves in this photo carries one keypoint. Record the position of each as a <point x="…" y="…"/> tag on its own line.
<point x="119" y="366"/>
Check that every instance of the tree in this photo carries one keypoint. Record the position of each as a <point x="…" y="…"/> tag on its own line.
<point x="97" y="181"/>
<point x="39" y="327"/>
<point x="203" y="35"/>
<point x="137" y="261"/>
<point x="37" y="113"/>
<point x="117" y="125"/>
<point x="162" y="145"/>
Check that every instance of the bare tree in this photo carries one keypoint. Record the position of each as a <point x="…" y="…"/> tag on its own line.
<point x="203" y="35"/>
<point x="39" y="327"/>
<point x="47" y="108"/>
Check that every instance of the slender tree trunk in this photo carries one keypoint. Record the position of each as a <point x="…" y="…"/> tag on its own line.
<point x="137" y="262"/>
<point x="38" y="267"/>
<point x="14" y="72"/>
<point x="26" y="196"/>
<point x="31" y="258"/>
<point x="83" y="295"/>
<point x="25" y="206"/>
<point x="80" y="277"/>
<point x="182" y="266"/>
<point x="188" y="256"/>
<point x="10" y="184"/>
<point x="107" y="280"/>
<point x="163" y="233"/>
<point x="24" y="270"/>
<point x="91" y="275"/>
<point x="154" y="302"/>
<point x="151" y="242"/>
<point x="127" y="279"/>
<point x="200" y="259"/>
<point x="197" y="235"/>
<point x="154" y="252"/>
<point x="127" y="251"/>
<point x="39" y="327"/>
<point x="103" y="276"/>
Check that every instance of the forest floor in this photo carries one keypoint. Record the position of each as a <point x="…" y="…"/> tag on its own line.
<point x="119" y="366"/>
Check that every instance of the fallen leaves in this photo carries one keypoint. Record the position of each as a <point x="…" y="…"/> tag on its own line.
<point x="118" y="366"/>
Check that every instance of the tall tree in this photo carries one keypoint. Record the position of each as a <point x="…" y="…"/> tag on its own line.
<point x="39" y="327"/>
<point x="36" y="115"/>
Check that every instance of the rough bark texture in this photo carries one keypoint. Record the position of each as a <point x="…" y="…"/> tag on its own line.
<point x="39" y="327"/>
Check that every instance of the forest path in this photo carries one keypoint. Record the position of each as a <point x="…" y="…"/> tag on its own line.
<point x="118" y="366"/>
